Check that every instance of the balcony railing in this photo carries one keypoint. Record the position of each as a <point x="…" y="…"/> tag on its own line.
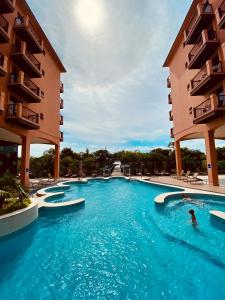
<point x="61" y="120"/>
<point x="205" y="46"/>
<point x="7" y="6"/>
<point x="170" y="115"/>
<point x="61" y="87"/>
<point x="209" y="109"/>
<point x="61" y="104"/>
<point x="171" y="133"/>
<point x="168" y="82"/>
<point x="169" y="98"/>
<point x="202" y="108"/>
<point x="26" y="60"/>
<point x="61" y="136"/>
<point x="27" y="33"/>
<point x="21" y="115"/>
<point x="210" y="75"/>
<point x="220" y="15"/>
<point x="200" y="20"/>
<point x="4" y="30"/>
<point x="24" y="87"/>
<point x="2" y="65"/>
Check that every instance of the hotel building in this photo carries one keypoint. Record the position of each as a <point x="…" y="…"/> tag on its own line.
<point x="30" y="88"/>
<point x="196" y="64"/>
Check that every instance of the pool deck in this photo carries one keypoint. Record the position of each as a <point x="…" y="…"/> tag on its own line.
<point x="179" y="183"/>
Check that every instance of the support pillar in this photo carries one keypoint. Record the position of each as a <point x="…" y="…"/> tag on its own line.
<point x="57" y="162"/>
<point x="178" y="158"/>
<point x="211" y="157"/>
<point x="25" y="161"/>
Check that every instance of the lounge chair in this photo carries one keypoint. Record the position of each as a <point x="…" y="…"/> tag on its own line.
<point x="195" y="179"/>
<point x="184" y="177"/>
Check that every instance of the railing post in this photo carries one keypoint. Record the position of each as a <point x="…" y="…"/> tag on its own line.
<point x="23" y="47"/>
<point x="213" y="101"/>
<point x="199" y="9"/>
<point x="5" y="63"/>
<point x="26" y="21"/>
<point x="19" y="110"/>
<point x="209" y="68"/>
<point x="2" y="100"/>
<point x="205" y="36"/>
<point x="217" y="15"/>
<point x="20" y="77"/>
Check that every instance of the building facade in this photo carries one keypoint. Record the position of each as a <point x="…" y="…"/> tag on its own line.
<point x="196" y="64"/>
<point x="30" y="86"/>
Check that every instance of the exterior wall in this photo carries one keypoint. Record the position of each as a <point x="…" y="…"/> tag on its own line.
<point x="180" y="77"/>
<point x="49" y="106"/>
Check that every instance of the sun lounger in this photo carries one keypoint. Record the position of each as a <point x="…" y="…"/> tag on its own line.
<point x="184" y="177"/>
<point x="175" y="176"/>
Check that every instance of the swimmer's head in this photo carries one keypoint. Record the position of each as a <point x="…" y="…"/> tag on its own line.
<point x="191" y="211"/>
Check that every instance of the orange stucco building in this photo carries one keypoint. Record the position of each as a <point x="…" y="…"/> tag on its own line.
<point x="30" y="85"/>
<point x="196" y="63"/>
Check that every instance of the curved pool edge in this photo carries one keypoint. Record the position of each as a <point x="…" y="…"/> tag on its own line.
<point x="14" y="221"/>
<point x="218" y="214"/>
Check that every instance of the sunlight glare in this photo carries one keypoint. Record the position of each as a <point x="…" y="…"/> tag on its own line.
<point x="90" y="14"/>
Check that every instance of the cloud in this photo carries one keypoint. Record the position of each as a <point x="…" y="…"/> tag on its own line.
<point x="115" y="90"/>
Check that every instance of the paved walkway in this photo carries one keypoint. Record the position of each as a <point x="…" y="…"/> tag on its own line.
<point x="176" y="182"/>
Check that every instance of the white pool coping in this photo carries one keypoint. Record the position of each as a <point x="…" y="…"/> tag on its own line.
<point x="217" y="213"/>
<point x="18" y="219"/>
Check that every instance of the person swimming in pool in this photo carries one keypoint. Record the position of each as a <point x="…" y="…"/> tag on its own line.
<point x="193" y="217"/>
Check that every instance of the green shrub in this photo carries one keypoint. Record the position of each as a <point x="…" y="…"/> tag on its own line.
<point x="12" y="195"/>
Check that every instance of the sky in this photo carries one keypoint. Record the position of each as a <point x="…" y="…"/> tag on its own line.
<point x="115" y="93"/>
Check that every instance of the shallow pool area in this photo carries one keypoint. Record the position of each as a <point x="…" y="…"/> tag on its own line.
<point x="119" y="245"/>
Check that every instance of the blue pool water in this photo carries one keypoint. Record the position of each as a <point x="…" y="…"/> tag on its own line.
<point x="120" y="245"/>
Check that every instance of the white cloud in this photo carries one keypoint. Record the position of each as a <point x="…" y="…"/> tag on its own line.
<point x="115" y="89"/>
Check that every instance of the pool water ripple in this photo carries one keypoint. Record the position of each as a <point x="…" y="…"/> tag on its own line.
<point x="119" y="246"/>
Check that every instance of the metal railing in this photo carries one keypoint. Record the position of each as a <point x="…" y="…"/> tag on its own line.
<point x="221" y="100"/>
<point x="211" y="37"/>
<point x="202" y="108"/>
<point x="17" y="48"/>
<point x="61" y="87"/>
<point x="61" y="103"/>
<point x="33" y="59"/>
<point x="171" y="133"/>
<point x="31" y="85"/>
<point x="168" y="82"/>
<point x="12" y="111"/>
<point x="199" y="77"/>
<point x="202" y="74"/>
<point x="4" y="24"/>
<point x="21" y="21"/>
<point x="221" y="9"/>
<point x="61" y="136"/>
<point x="30" y="115"/>
<point x="169" y="98"/>
<point x="13" y="78"/>
<point x="206" y="8"/>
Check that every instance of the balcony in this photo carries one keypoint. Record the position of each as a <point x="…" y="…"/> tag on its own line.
<point x="200" y="20"/>
<point x="4" y="30"/>
<point x="203" y="49"/>
<point x="21" y="85"/>
<point x="7" y="6"/>
<point x="61" y="120"/>
<point x="209" y="76"/>
<point x="171" y="133"/>
<point x="61" y="103"/>
<point x="3" y="65"/>
<point x="25" y="32"/>
<point x="169" y="99"/>
<point x="170" y="115"/>
<point x="168" y="82"/>
<point x="61" y="136"/>
<point x="210" y="109"/>
<point x="26" y="61"/>
<point x="220" y="15"/>
<point x="61" y="87"/>
<point x="22" y="116"/>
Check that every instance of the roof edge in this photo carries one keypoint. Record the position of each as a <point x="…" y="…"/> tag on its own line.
<point x="180" y="33"/>
<point x="52" y="50"/>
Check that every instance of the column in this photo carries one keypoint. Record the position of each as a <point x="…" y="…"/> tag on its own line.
<point x="25" y="161"/>
<point x="57" y="162"/>
<point x="211" y="158"/>
<point x="178" y="157"/>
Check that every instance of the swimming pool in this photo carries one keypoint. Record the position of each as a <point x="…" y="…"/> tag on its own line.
<point x="120" y="245"/>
